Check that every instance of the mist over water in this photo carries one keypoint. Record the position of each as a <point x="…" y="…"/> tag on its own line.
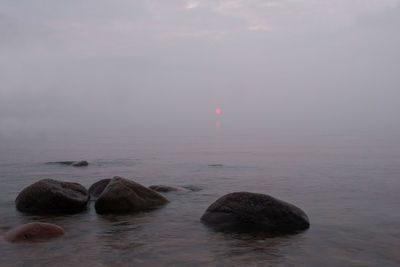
<point x="152" y="66"/>
<point x="308" y="93"/>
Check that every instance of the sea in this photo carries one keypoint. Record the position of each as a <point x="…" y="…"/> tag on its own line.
<point x="348" y="185"/>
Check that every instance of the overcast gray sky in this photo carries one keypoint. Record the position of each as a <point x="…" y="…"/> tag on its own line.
<point x="285" y="64"/>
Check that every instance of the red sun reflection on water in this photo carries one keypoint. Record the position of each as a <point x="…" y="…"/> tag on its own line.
<point x="218" y="111"/>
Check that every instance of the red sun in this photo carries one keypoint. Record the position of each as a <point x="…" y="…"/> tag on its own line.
<point x="218" y="111"/>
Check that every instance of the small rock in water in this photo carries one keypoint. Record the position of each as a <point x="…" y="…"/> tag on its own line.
<point x="52" y="196"/>
<point x="97" y="188"/>
<point x="251" y="212"/>
<point x="167" y="188"/>
<point x="35" y="231"/>
<point x="126" y="196"/>
<point x="81" y="163"/>
<point x="193" y="188"/>
<point x="61" y="162"/>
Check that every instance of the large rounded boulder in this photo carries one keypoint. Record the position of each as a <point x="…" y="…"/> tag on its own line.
<point x="126" y="196"/>
<point x="248" y="212"/>
<point x="52" y="196"/>
<point x="35" y="231"/>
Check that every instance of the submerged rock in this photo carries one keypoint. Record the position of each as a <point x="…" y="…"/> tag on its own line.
<point x="81" y="163"/>
<point x="167" y="188"/>
<point x="247" y="212"/>
<point x="125" y="196"/>
<point x="98" y="187"/>
<point x="62" y="162"/>
<point x="34" y="231"/>
<point x="193" y="188"/>
<point x="52" y="196"/>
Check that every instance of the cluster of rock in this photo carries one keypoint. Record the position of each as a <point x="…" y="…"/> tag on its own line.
<point x="237" y="212"/>
<point x="116" y="195"/>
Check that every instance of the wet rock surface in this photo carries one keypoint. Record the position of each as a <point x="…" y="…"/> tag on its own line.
<point x="122" y="195"/>
<point x="35" y="231"/>
<point x="251" y="212"/>
<point x="52" y="196"/>
<point x="97" y="188"/>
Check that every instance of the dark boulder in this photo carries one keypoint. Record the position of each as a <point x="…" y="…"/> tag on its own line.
<point x="167" y="188"/>
<point x="52" y="196"/>
<point x="97" y="188"/>
<point x="82" y="163"/>
<point x="247" y="212"/>
<point x="126" y="196"/>
<point x="35" y="231"/>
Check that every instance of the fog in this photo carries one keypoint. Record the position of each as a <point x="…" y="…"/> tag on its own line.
<point x="165" y="66"/>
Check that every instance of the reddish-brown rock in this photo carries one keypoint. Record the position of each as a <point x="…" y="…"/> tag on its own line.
<point x="35" y="231"/>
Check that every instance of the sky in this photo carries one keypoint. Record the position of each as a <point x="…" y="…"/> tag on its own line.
<point x="89" y="66"/>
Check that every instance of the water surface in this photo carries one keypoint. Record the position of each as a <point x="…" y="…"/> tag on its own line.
<point x="348" y="186"/>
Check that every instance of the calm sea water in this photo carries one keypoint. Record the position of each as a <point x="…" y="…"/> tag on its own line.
<point x="348" y="185"/>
